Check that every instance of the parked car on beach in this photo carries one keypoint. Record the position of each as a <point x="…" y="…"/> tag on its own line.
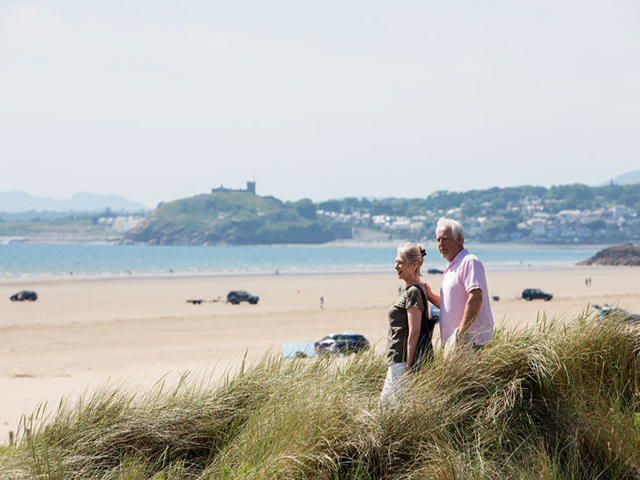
<point x="236" y="296"/>
<point x="24" y="295"/>
<point x="346" y="343"/>
<point x="532" y="293"/>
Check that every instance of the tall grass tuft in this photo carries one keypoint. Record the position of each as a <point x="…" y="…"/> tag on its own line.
<point x="555" y="401"/>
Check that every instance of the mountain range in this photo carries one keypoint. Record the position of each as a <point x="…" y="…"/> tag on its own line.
<point x="15" y="202"/>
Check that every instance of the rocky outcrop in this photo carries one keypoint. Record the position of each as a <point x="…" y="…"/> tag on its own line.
<point x="625" y="254"/>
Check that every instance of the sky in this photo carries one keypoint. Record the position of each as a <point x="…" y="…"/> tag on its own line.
<point x="321" y="99"/>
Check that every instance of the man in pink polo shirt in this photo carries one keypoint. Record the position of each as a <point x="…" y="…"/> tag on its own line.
<point x="464" y="298"/>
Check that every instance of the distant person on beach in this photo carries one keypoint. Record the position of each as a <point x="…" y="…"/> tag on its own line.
<point x="405" y="317"/>
<point x="321" y="300"/>
<point x="465" y="312"/>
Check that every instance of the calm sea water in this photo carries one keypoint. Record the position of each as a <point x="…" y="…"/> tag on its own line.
<point x="24" y="260"/>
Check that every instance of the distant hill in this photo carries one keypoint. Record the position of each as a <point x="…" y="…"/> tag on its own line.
<point x="15" y="202"/>
<point x="630" y="178"/>
<point x="235" y="218"/>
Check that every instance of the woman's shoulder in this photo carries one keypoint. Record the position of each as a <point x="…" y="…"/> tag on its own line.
<point x="415" y="289"/>
<point x="415" y="294"/>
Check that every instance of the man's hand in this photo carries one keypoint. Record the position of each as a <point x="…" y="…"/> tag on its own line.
<point x="434" y="299"/>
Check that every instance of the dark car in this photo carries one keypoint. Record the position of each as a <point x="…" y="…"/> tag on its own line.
<point x="532" y="293"/>
<point x="236" y="296"/>
<point x="346" y="343"/>
<point x="25" y="295"/>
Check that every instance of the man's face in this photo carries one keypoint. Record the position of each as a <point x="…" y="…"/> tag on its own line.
<point x="448" y="245"/>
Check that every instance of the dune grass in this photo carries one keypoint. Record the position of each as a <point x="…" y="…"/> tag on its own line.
<point x="555" y="401"/>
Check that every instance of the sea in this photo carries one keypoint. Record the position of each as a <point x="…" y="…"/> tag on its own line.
<point x="51" y="261"/>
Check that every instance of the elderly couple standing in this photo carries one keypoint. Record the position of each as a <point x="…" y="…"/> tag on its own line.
<point x="465" y="313"/>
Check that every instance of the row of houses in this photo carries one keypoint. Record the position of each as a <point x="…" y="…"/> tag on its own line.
<point x="532" y="223"/>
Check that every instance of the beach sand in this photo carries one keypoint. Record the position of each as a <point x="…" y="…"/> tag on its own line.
<point x="83" y="334"/>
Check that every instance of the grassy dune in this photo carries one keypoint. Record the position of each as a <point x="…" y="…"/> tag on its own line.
<point x="557" y="401"/>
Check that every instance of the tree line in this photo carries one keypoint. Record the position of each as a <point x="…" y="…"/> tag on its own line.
<point x="495" y="201"/>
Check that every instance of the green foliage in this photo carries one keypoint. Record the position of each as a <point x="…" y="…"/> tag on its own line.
<point x="596" y="225"/>
<point x="514" y="215"/>
<point x="551" y="402"/>
<point x="35" y="227"/>
<point x="495" y="200"/>
<point x="504" y="227"/>
<point x="305" y="208"/>
<point x="331" y="206"/>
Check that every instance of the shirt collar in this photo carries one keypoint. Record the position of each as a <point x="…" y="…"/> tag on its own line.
<point x="457" y="259"/>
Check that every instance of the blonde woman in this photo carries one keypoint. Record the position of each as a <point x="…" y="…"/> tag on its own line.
<point x="407" y="317"/>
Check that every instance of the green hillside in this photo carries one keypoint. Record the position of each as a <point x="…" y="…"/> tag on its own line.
<point x="235" y="218"/>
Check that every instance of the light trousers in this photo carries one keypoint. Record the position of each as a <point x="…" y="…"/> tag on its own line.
<point x="393" y="384"/>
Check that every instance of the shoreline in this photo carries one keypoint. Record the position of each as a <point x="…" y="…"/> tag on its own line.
<point x="548" y="266"/>
<point x="334" y="243"/>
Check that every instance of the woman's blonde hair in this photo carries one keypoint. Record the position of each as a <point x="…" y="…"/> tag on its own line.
<point x="411" y="253"/>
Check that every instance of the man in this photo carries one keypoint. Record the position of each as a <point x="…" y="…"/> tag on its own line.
<point x="464" y="298"/>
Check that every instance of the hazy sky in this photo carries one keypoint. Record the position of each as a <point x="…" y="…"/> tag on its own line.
<point x="321" y="99"/>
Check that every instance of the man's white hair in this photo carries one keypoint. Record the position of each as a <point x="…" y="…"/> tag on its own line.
<point x="454" y="225"/>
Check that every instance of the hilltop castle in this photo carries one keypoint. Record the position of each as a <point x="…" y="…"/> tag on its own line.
<point x="251" y="188"/>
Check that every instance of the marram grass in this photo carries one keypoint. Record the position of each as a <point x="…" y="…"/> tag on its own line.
<point x="555" y="401"/>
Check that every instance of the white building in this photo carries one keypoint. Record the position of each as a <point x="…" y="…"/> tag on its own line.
<point x="125" y="223"/>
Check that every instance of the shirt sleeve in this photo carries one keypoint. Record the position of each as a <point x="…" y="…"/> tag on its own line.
<point x="472" y="274"/>
<point x="414" y="299"/>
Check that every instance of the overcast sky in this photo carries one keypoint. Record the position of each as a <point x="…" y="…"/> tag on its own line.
<point x="320" y="99"/>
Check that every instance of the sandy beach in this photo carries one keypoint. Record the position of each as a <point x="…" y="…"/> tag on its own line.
<point x="82" y="334"/>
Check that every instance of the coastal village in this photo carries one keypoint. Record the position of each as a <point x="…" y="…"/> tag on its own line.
<point x="531" y="221"/>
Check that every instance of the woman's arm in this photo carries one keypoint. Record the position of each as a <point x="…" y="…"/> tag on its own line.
<point x="415" y="318"/>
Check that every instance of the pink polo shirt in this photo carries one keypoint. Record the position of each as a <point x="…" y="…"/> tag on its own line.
<point x="464" y="273"/>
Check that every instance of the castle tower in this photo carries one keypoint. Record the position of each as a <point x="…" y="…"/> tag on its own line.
<point x="251" y="187"/>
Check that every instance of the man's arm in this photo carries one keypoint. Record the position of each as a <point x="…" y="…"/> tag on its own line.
<point x="471" y="309"/>
<point x="432" y="297"/>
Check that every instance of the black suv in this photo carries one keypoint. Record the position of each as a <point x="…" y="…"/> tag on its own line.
<point x="25" y="295"/>
<point x="531" y="293"/>
<point x="236" y="296"/>
<point x="342" y="343"/>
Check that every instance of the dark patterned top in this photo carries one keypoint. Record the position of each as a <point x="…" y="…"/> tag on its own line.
<point x="399" y="324"/>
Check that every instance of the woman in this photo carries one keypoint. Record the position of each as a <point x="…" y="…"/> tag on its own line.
<point x="405" y="318"/>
